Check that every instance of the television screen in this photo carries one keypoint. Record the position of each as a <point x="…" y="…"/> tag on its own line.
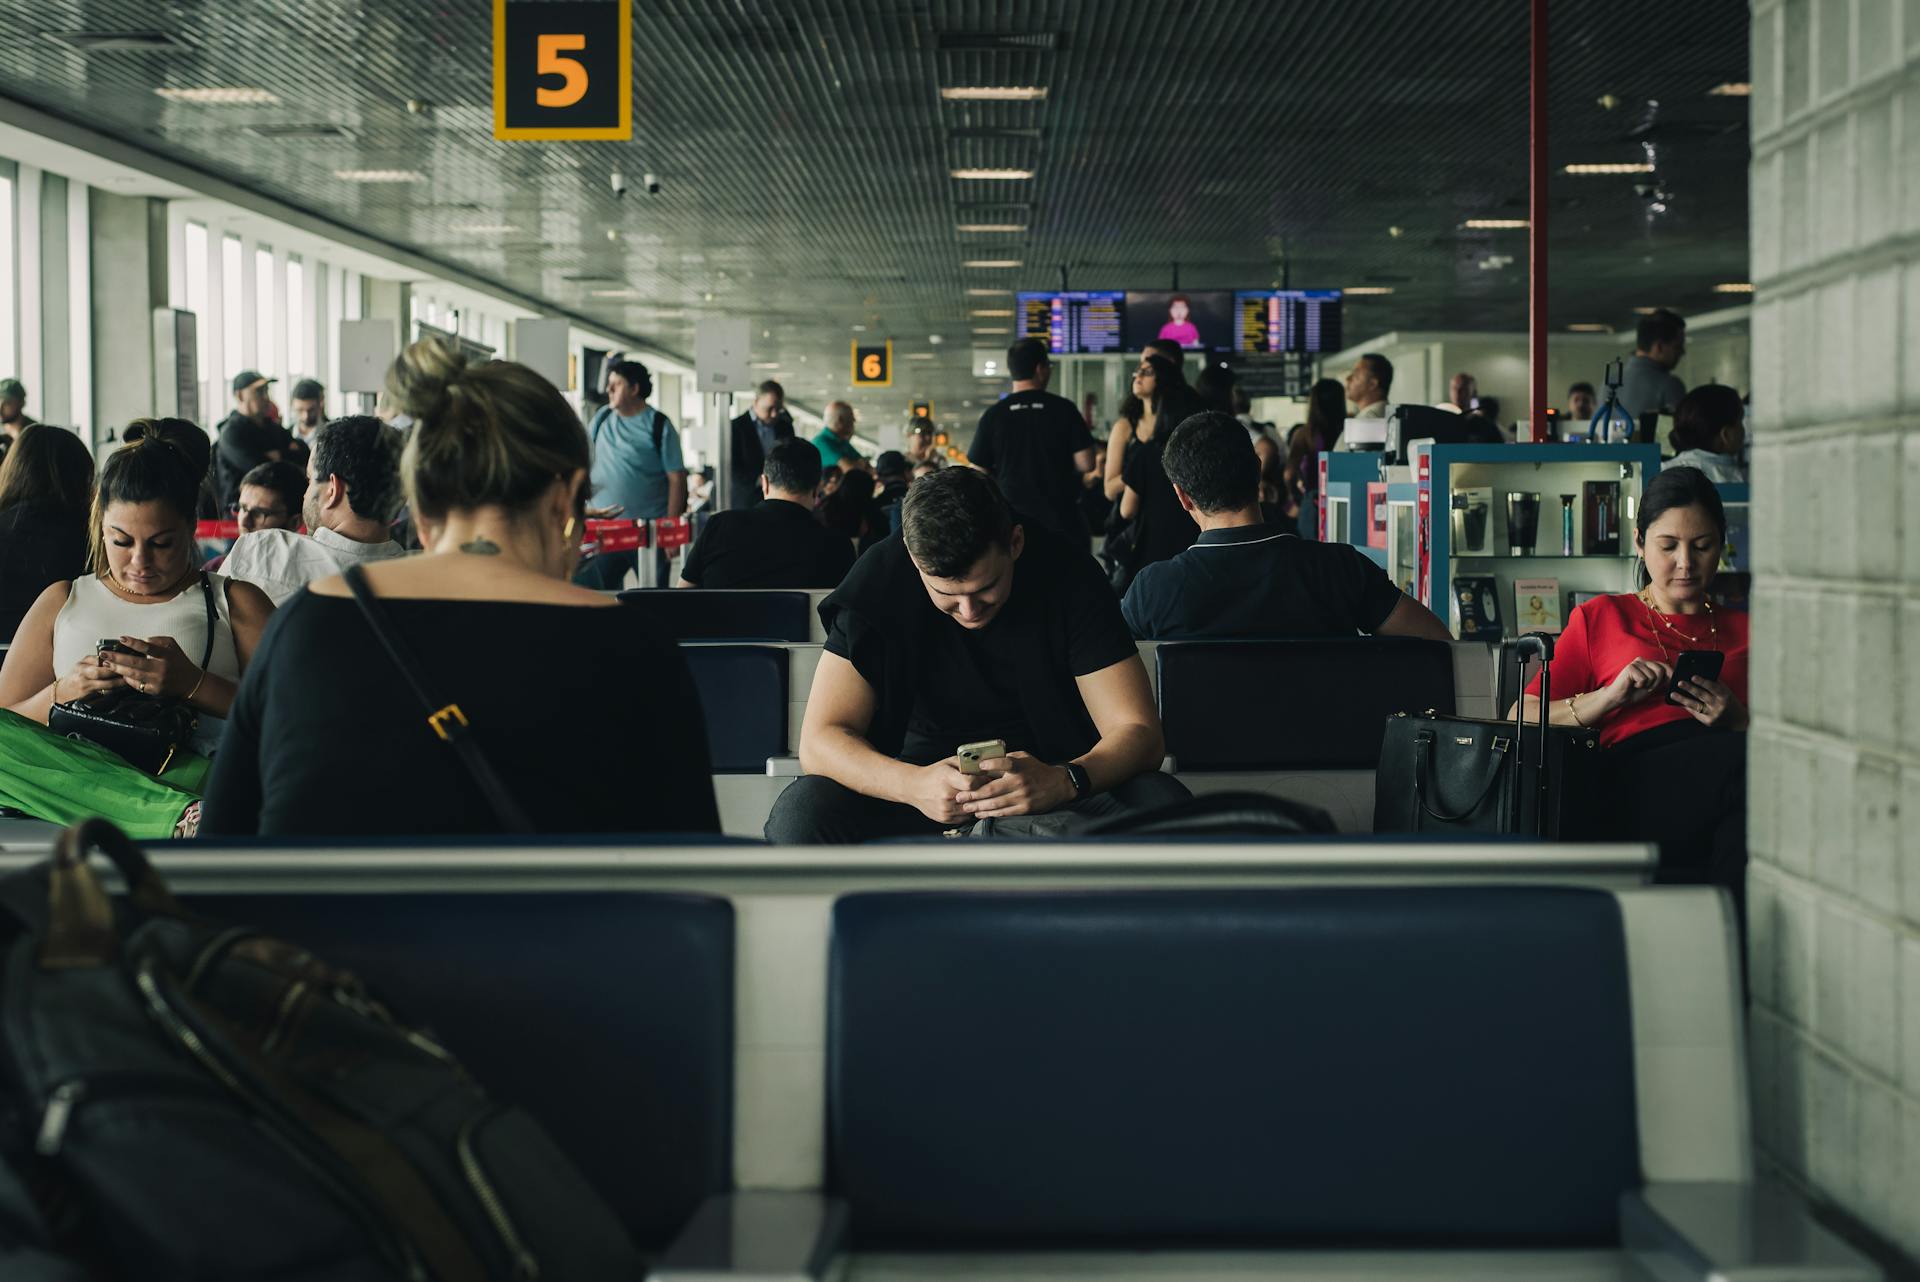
<point x="1286" y="320"/>
<point x="1076" y="323"/>
<point x="1199" y="320"/>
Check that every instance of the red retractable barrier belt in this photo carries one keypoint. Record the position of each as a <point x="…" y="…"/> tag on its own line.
<point x="671" y="532"/>
<point x="615" y="536"/>
<point x="216" y="530"/>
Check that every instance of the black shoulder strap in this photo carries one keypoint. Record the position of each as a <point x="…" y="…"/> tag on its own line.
<point x="447" y="720"/>
<point x="213" y="617"/>
<point x="659" y="421"/>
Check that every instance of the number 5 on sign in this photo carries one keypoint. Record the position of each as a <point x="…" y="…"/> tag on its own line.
<point x="562" y="69"/>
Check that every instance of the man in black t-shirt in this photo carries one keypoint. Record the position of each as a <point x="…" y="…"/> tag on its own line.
<point x="967" y="627"/>
<point x="1244" y="578"/>
<point x="1036" y="445"/>
<point x="775" y="543"/>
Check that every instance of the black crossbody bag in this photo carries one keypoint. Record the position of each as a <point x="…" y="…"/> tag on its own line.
<point x="146" y="730"/>
<point x="449" y="723"/>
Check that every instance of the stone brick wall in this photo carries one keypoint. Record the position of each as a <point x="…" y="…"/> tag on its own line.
<point x="1835" y="767"/>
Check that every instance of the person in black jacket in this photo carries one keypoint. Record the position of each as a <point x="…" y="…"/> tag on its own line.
<point x="248" y="437"/>
<point x="46" y="492"/>
<point x="754" y="434"/>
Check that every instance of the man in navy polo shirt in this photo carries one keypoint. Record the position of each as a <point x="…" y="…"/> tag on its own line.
<point x="1244" y="578"/>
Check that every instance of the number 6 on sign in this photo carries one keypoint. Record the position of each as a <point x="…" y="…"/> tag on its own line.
<point x="873" y="364"/>
<point x="562" y="69"/>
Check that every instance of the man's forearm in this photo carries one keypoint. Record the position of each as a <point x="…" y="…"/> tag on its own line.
<point x="1128" y="751"/>
<point x="852" y="762"/>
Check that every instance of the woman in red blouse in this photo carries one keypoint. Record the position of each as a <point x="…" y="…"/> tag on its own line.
<point x="1612" y="669"/>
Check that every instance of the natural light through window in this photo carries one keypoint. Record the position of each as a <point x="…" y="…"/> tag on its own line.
<point x="230" y="305"/>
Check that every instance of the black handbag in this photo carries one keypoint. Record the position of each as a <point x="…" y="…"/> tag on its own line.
<point x="147" y="730"/>
<point x="1467" y="775"/>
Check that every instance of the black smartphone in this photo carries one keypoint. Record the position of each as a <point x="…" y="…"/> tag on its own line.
<point x="1689" y="664"/>
<point x="115" y="646"/>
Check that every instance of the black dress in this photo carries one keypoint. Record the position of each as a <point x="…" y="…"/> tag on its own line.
<point x="40" y="545"/>
<point x="1165" y="528"/>
<point x="588" y="715"/>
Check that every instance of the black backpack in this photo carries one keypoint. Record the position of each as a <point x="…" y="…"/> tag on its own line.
<point x="184" y="1100"/>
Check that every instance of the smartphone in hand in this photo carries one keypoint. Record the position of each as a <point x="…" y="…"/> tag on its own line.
<point x="972" y="754"/>
<point x="1689" y="664"/>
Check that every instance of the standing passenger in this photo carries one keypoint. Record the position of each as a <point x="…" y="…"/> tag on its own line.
<point x="248" y="437"/>
<point x="1148" y="497"/>
<point x="755" y="433"/>
<point x="1649" y="385"/>
<point x="637" y="465"/>
<point x="1035" y="445"/>
<point x="835" y="438"/>
<point x="1369" y="383"/>
<point x="46" y="491"/>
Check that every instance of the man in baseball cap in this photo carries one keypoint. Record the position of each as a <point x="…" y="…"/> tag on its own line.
<point x="248" y="437"/>
<point x="13" y="403"/>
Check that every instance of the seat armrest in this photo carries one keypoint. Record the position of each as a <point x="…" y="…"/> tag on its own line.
<point x="784" y="767"/>
<point x="1733" y="1233"/>
<point x="1169" y="766"/>
<point x="757" y="1237"/>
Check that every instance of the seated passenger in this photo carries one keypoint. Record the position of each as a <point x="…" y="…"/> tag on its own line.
<point x="587" y="715"/>
<point x="352" y="491"/>
<point x="776" y="543"/>
<point x="1245" y="578"/>
<point x="967" y="627"/>
<point x="46" y="492"/>
<point x="1681" y="771"/>
<point x="269" y="500"/>
<point x="149" y="598"/>
<point x="1709" y="429"/>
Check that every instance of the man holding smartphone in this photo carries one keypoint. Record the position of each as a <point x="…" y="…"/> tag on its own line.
<point x="963" y="629"/>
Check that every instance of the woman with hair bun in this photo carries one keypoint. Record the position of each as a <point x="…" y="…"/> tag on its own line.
<point x="150" y="602"/>
<point x="588" y="718"/>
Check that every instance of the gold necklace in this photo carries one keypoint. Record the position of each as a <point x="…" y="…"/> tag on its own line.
<point x="1654" y="616"/>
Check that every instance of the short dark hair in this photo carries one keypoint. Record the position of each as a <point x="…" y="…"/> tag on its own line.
<point x="1169" y="349"/>
<point x="950" y="519"/>
<point x="1582" y="387"/>
<point x="634" y="373"/>
<point x="309" y="389"/>
<point x="1658" y="326"/>
<point x="1211" y="457"/>
<point x="1680" y="487"/>
<point x="1702" y="413"/>
<point x="1382" y="369"/>
<point x="891" y="463"/>
<point x="769" y="388"/>
<point x="921" y="425"/>
<point x="1025" y="358"/>
<point x="283" y="478"/>
<point x="793" y="466"/>
<point x="365" y="454"/>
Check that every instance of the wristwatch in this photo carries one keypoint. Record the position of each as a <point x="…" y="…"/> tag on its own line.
<point x="1077" y="775"/>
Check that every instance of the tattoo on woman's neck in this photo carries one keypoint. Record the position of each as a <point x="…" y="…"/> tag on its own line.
<point x="482" y="546"/>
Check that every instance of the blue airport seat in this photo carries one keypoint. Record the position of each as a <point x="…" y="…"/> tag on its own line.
<point x="608" y="1015"/>
<point x="743" y="692"/>
<point x="1306" y="703"/>
<point x="701" y="614"/>
<point x="1414" y="1066"/>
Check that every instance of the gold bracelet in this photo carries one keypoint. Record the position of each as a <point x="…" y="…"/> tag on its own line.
<point x="203" y="679"/>
<point x="1575" y="712"/>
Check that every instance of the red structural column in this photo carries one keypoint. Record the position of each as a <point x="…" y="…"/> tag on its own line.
<point x="1537" y="232"/>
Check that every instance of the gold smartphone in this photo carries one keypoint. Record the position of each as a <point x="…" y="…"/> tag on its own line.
<point x="972" y="754"/>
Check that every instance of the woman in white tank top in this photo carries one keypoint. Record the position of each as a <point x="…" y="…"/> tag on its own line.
<point x="146" y="593"/>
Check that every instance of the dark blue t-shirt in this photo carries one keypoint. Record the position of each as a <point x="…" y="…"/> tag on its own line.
<point x="1255" y="581"/>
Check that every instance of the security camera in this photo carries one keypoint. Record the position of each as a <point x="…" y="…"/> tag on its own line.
<point x="652" y="184"/>
<point x="619" y="181"/>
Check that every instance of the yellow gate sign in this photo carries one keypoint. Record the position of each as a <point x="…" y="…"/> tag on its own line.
<point x="562" y="69"/>
<point x="873" y="364"/>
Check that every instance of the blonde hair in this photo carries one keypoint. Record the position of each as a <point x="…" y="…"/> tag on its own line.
<point x="484" y="434"/>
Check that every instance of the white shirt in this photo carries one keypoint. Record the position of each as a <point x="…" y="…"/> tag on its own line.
<point x="1721" y="469"/>
<point x="281" y="562"/>
<point x="93" y="613"/>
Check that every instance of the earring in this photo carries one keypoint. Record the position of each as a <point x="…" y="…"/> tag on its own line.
<point x="566" y="531"/>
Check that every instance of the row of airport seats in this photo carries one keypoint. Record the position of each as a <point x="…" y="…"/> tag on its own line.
<point x="786" y="1063"/>
<point x="1299" y="718"/>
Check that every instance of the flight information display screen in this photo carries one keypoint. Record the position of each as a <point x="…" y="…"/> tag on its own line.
<point x="1286" y="320"/>
<point x="1074" y="322"/>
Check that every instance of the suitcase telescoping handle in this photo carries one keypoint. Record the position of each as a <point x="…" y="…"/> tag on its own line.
<point x="80" y="931"/>
<point x="1532" y="645"/>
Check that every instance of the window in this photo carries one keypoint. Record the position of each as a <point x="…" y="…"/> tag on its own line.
<point x="299" y="361"/>
<point x="9" y="348"/>
<point x="233" y="357"/>
<point x="265" y="330"/>
<point x="197" y="304"/>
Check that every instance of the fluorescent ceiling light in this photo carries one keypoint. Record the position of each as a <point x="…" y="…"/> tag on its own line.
<point x="379" y="175"/>
<point x="1365" y="291"/>
<point x="1734" y="287"/>
<point x="227" y="96"/>
<point x="919" y="356"/>
<point x="1732" y="89"/>
<point x="1495" y="224"/>
<point x="765" y="365"/>
<point x="991" y="263"/>
<point x="1626" y="167"/>
<point x="990" y="313"/>
<point x="999" y="329"/>
<point x="994" y="93"/>
<point x="613" y="293"/>
<point x="1008" y="227"/>
<point x="989" y="175"/>
<point x="1590" y="327"/>
<point x="484" y="229"/>
<point x="989" y="293"/>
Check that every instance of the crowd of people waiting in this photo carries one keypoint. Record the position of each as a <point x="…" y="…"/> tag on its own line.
<point x="965" y="608"/>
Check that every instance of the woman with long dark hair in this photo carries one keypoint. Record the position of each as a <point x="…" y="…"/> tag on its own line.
<point x="1147" y="497"/>
<point x="46" y="491"/>
<point x="1326" y="416"/>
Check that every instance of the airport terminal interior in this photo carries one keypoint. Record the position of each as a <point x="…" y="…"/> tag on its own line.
<point x="921" y="639"/>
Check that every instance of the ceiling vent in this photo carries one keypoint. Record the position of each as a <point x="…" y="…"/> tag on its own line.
<point x="120" y="41"/>
<point x="306" y="132"/>
<point x="1033" y="134"/>
<point x="994" y="40"/>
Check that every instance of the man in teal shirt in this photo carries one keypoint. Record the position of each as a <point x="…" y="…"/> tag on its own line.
<point x="835" y="441"/>
<point x="637" y="464"/>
